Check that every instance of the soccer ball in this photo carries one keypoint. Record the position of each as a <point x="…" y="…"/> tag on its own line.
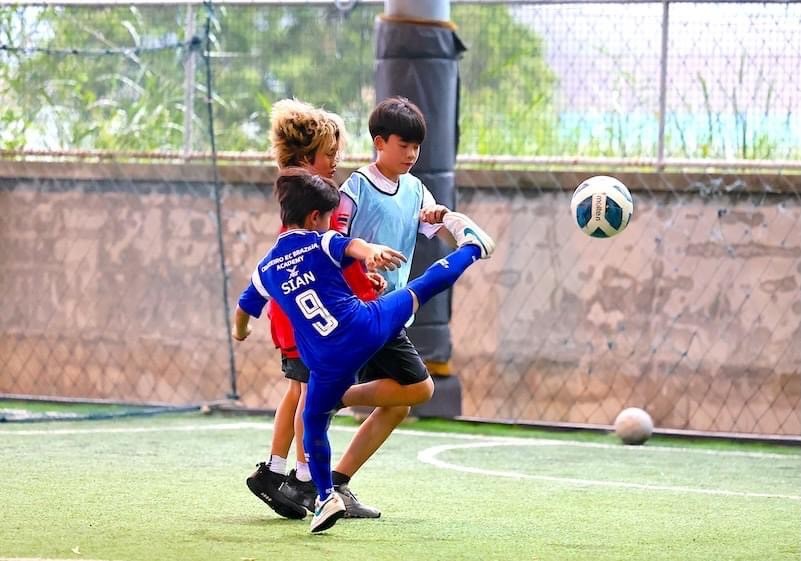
<point x="633" y="426"/>
<point x="602" y="206"/>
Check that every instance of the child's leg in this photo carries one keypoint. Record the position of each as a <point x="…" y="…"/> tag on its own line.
<point x="387" y="392"/>
<point x="283" y="430"/>
<point x="442" y="274"/>
<point x="372" y="433"/>
<point x="302" y="469"/>
<point x="266" y="481"/>
<point x="321" y="398"/>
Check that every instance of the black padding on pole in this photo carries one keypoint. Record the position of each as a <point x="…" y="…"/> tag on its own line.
<point x="420" y="62"/>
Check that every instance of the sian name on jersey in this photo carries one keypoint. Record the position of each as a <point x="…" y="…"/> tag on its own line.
<point x="297" y="280"/>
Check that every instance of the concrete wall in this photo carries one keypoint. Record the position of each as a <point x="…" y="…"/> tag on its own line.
<point x="112" y="289"/>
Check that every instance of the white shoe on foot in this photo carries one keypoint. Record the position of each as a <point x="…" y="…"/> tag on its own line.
<point x="465" y="231"/>
<point x="327" y="513"/>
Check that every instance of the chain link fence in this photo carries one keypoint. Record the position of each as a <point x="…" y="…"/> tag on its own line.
<point x="112" y="239"/>
<point x="101" y="283"/>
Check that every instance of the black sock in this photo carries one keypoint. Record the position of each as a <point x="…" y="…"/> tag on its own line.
<point x="339" y="478"/>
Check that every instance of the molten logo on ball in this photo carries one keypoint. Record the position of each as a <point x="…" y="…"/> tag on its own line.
<point x="602" y="206"/>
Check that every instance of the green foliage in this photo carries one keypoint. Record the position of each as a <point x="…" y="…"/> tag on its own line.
<point x="325" y="56"/>
<point x="321" y="55"/>
<point x="113" y="101"/>
<point x="504" y="73"/>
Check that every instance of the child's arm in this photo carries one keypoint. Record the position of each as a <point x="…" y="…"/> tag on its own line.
<point x="375" y="256"/>
<point x="433" y="215"/>
<point x="242" y="327"/>
<point x="251" y="303"/>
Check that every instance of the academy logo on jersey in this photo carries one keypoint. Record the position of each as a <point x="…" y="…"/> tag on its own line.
<point x="293" y="271"/>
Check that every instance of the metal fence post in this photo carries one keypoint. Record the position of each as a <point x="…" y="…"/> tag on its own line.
<point x="189" y="80"/>
<point x="660" y="155"/>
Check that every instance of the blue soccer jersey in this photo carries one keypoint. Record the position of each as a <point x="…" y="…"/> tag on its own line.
<point x="335" y="332"/>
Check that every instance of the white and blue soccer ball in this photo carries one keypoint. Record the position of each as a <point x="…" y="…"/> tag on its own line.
<point x="602" y="206"/>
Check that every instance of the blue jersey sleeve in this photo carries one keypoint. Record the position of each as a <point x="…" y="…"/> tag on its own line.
<point x="254" y="298"/>
<point x="334" y="245"/>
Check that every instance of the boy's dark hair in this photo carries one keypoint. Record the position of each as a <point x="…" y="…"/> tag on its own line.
<point x="300" y="193"/>
<point x="398" y="115"/>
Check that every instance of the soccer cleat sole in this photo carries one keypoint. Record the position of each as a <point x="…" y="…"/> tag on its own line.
<point x="330" y="521"/>
<point x="284" y="509"/>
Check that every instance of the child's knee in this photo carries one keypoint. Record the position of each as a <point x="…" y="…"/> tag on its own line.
<point x="395" y="415"/>
<point x="421" y="391"/>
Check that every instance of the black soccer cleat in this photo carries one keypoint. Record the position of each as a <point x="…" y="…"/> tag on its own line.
<point x="265" y="484"/>
<point x="353" y="508"/>
<point x="301" y="493"/>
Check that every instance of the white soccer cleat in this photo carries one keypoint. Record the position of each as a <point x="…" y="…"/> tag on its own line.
<point x="327" y="513"/>
<point x="465" y="231"/>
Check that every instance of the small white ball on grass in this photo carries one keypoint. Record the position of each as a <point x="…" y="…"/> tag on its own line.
<point x="205" y="409"/>
<point x="633" y="426"/>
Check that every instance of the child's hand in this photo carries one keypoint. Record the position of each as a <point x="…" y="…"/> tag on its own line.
<point x="433" y="214"/>
<point x="240" y="336"/>
<point x="379" y="283"/>
<point x="383" y="257"/>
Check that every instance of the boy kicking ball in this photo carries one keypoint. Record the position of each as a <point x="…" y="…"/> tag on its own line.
<point x="337" y="333"/>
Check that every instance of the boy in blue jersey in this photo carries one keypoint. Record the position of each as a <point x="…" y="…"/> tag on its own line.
<point x="336" y="333"/>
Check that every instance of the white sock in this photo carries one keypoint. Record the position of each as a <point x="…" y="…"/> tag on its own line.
<point x="302" y="471"/>
<point x="277" y="464"/>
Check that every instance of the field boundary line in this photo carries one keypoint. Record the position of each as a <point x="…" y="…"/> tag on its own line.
<point x="251" y="425"/>
<point x="429" y="456"/>
<point x="47" y="559"/>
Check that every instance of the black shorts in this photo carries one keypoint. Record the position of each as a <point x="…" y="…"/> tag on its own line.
<point x="294" y="369"/>
<point x="397" y="360"/>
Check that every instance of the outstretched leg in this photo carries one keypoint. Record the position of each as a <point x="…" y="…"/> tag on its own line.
<point x="474" y="243"/>
<point x="442" y="274"/>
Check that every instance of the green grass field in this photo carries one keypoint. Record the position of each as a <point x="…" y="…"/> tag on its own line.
<point x="172" y="488"/>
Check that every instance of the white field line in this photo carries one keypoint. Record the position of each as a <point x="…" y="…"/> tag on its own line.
<point x="45" y="559"/>
<point x="429" y="456"/>
<point x="507" y="440"/>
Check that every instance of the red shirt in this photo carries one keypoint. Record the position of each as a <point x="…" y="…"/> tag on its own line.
<point x="280" y="328"/>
